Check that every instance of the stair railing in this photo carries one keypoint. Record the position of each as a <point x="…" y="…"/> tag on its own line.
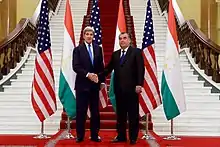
<point x="86" y="20"/>
<point x="14" y="46"/>
<point x="163" y="5"/>
<point x="129" y="22"/>
<point x="204" y="51"/>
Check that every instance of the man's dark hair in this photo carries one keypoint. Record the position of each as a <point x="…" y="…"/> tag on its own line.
<point x="122" y="33"/>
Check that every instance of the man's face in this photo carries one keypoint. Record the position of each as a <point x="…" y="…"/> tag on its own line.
<point x="88" y="36"/>
<point x="124" y="41"/>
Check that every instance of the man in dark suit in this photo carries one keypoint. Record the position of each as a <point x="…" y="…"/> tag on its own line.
<point x="128" y="66"/>
<point x="87" y="62"/>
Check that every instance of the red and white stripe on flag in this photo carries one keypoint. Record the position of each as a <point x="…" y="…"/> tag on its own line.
<point x="43" y="90"/>
<point x="95" y="23"/>
<point x="103" y="96"/>
<point x="150" y="97"/>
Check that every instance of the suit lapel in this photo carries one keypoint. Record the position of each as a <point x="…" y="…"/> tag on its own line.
<point x="118" y="56"/>
<point x="94" y="53"/>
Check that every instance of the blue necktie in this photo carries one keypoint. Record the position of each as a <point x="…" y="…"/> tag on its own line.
<point x="90" y="53"/>
<point x="122" y="57"/>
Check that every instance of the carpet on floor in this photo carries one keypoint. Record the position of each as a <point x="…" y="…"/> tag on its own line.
<point x="106" y="135"/>
<point x="22" y="140"/>
<point x="188" y="141"/>
<point x="58" y="140"/>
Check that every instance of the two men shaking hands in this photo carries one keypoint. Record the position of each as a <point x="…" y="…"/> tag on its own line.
<point x="94" y="78"/>
<point x="128" y="65"/>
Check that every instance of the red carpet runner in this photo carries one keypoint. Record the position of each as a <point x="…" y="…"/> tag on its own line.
<point x="106" y="135"/>
<point x="28" y="140"/>
<point x="188" y="141"/>
<point x="22" y="140"/>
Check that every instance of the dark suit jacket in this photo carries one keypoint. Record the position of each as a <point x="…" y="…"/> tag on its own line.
<point x="83" y="65"/>
<point x="130" y="73"/>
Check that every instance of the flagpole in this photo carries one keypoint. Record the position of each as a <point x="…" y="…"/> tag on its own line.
<point x="68" y="135"/>
<point x="42" y="135"/>
<point x="146" y="135"/>
<point x="172" y="136"/>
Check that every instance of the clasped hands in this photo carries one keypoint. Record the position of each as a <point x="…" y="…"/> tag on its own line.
<point x="94" y="77"/>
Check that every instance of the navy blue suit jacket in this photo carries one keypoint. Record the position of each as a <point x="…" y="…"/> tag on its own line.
<point x="83" y="65"/>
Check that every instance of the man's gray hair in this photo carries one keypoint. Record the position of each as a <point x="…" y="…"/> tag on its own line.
<point x="88" y="29"/>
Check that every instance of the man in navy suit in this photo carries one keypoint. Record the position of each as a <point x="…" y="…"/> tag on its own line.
<point x="87" y="63"/>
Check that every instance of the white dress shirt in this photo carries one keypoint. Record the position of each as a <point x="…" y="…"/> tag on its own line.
<point x="126" y="49"/>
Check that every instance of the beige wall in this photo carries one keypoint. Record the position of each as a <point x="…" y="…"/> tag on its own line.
<point x="11" y="11"/>
<point x="199" y="11"/>
<point x="7" y="17"/>
<point x="191" y="10"/>
<point x="218" y="24"/>
<point x="209" y="19"/>
<point x="26" y="8"/>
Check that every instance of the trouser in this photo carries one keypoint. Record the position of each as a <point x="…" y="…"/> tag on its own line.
<point x="83" y="100"/>
<point x="127" y="104"/>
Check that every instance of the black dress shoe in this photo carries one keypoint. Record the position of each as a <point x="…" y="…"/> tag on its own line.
<point x="132" y="142"/>
<point x="78" y="140"/>
<point x="118" y="139"/>
<point x="97" y="139"/>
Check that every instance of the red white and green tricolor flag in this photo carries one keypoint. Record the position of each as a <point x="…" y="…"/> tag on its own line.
<point x="171" y="85"/>
<point x="67" y="75"/>
<point x="121" y="27"/>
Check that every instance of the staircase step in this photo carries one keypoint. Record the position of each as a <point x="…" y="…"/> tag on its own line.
<point x="18" y="83"/>
<point x="109" y="108"/>
<point x="104" y="124"/>
<point x="103" y="116"/>
<point x="28" y="90"/>
<point x="30" y="71"/>
<point x="159" y="59"/>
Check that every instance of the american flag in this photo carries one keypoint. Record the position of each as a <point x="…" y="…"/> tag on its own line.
<point x="95" y="23"/>
<point x="43" y="90"/>
<point x="150" y="97"/>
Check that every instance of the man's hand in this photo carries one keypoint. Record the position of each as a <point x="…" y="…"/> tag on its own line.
<point x="138" y="89"/>
<point x="102" y="86"/>
<point x="93" y="77"/>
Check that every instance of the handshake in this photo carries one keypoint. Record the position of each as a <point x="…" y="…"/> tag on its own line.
<point x="93" y="77"/>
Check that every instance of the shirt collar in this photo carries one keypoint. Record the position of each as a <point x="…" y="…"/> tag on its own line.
<point x="126" y="49"/>
<point x="87" y="44"/>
